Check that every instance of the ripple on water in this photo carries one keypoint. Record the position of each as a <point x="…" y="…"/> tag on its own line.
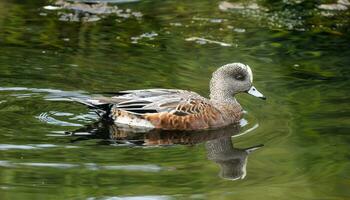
<point x="150" y="197"/>
<point x="53" y="165"/>
<point x="50" y="118"/>
<point x="54" y="95"/>
<point x="151" y="168"/>
<point x="45" y="117"/>
<point x="31" y="146"/>
<point x="203" y="41"/>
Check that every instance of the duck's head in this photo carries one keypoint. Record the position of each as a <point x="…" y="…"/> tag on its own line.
<point x="231" y="79"/>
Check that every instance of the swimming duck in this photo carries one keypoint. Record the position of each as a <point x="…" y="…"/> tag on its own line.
<point x="173" y="109"/>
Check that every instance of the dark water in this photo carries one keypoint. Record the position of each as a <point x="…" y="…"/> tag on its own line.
<point x="300" y="56"/>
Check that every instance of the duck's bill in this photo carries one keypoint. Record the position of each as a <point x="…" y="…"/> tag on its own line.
<point x="253" y="91"/>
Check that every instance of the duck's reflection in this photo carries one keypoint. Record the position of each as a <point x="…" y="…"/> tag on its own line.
<point x="232" y="161"/>
<point x="219" y="144"/>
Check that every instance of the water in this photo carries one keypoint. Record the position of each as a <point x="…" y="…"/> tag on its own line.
<point x="300" y="56"/>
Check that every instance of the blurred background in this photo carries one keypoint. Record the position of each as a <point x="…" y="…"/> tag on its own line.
<point x="298" y="51"/>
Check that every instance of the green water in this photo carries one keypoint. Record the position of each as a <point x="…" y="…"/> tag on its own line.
<point x="300" y="58"/>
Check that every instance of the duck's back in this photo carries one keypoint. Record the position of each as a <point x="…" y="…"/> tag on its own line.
<point x="168" y="109"/>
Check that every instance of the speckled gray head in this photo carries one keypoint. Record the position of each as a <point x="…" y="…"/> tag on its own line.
<point x="231" y="79"/>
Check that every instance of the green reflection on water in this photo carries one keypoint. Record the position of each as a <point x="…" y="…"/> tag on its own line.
<point x="303" y="70"/>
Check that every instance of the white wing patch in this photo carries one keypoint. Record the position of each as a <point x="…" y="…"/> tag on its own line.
<point x="133" y="122"/>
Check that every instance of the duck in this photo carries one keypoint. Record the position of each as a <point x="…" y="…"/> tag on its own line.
<point x="176" y="109"/>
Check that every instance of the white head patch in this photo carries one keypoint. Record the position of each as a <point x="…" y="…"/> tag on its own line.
<point x="250" y="73"/>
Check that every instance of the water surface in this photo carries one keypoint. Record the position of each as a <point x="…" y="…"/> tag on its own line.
<point x="300" y="56"/>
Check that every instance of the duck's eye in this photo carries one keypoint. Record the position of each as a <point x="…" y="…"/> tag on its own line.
<point x="239" y="77"/>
